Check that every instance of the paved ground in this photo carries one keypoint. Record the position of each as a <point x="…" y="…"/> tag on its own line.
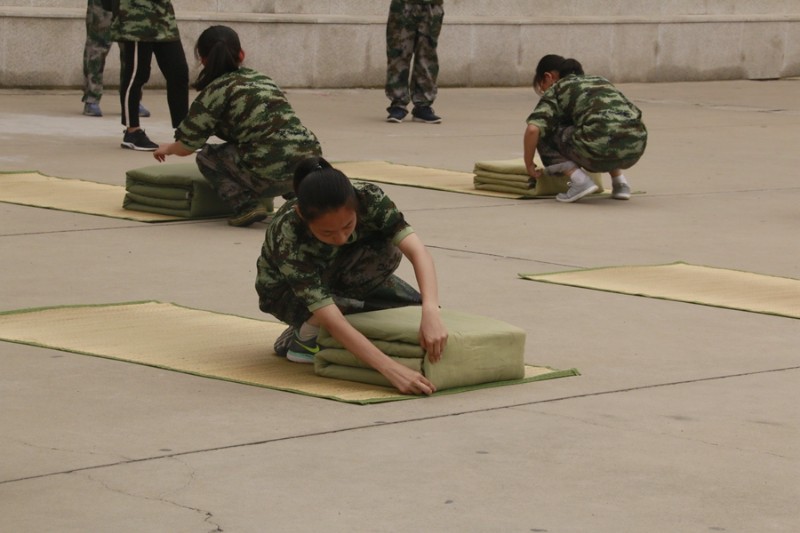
<point x="685" y="417"/>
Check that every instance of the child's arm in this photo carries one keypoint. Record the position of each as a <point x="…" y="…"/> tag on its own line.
<point x="530" y="142"/>
<point x="404" y="379"/>
<point x="432" y="331"/>
<point x="175" y="148"/>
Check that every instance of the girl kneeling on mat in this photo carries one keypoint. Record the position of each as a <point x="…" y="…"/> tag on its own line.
<point x="333" y="250"/>
<point x="264" y="139"/>
<point x="582" y="121"/>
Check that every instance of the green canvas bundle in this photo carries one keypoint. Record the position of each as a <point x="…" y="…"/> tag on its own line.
<point x="177" y="189"/>
<point x="479" y="349"/>
<point x="511" y="176"/>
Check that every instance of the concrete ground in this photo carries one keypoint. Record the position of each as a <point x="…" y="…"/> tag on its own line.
<point x="685" y="417"/>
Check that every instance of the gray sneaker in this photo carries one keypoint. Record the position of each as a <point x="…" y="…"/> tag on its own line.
<point x="621" y="192"/>
<point x="576" y="192"/>
<point x="283" y="341"/>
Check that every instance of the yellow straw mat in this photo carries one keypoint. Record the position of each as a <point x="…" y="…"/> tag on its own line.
<point x="75" y="195"/>
<point x="718" y="287"/>
<point x="192" y="341"/>
<point x="412" y="176"/>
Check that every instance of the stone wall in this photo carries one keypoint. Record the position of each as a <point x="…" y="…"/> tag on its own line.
<point x="337" y="43"/>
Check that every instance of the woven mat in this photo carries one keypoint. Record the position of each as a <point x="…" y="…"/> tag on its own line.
<point x="75" y="195"/>
<point x="197" y="342"/>
<point x="718" y="287"/>
<point x="411" y="176"/>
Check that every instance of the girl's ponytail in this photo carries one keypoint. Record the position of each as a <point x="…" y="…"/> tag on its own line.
<point x="320" y="188"/>
<point x="219" y="49"/>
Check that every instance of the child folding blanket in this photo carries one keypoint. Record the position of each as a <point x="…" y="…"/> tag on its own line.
<point x="511" y="176"/>
<point x="479" y="349"/>
<point x="177" y="189"/>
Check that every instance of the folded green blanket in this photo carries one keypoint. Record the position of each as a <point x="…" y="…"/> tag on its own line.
<point x="511" y="176"/>
<point x="479" y="349"/>
<point x="177" y="189"/>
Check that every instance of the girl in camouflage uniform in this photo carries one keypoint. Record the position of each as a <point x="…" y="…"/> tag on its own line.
<point x="582" y="121"/>
<point x="263" y="137"/>
<point x="333" y="250"/>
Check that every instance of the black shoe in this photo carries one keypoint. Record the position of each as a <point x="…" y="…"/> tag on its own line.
<point x="283" y="341"/>
<point x="137" y="140"/>
<point x="396" y="114"/>
<point x="425" y="114"/>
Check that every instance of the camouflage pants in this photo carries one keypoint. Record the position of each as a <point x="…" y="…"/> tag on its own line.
<point x="560" y="148"/>
<point x="98" y="43"/>
<point x="360" y="279"/>
<point x="412" y="35"/>
<point x="237" y="186"/>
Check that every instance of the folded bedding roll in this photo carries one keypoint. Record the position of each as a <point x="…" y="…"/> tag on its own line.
<point x="479" y="349"/>
<point x="177" y="189"/>
<point x="511" y="176"/>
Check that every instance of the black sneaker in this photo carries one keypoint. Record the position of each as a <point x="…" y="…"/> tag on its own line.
<point x="425" y="114"/>
<point x="396" y="114"/>
<point x="302" y="351"/>
<point x="137" y="140"/>
<point x="283" y="341"/>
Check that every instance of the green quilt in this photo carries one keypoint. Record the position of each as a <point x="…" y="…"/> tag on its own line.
<point x="479" y="349"/>
<point x="510" y="176"/>
<point x="177" y="189"/>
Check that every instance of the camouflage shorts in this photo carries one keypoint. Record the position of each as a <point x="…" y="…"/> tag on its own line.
<point x="560" y="147"/>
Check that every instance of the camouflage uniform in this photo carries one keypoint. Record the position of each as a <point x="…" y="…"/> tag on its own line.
<point x="413" y="30"/>
<point x="98" y="43"/>
<point x="145" y="28"/>
<point x="264" y="138"/>
<point x="586" y="120"/>
<point x="298" y="274"/>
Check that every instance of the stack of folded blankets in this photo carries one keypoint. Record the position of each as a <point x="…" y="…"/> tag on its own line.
<point x="172" y="189"/>
<point x="510" y="176"/>
<point x="479" y="349"/>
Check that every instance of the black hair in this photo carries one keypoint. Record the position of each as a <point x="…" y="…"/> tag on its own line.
<point x="220" y="48"/>
<point x="320" y="188"/>
<point x="551" y="62"/>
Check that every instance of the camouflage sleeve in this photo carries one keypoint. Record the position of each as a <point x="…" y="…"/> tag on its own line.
<point x="547" y="113"/>
<point x="378" y="212"/>
<point x="204" y="115"/>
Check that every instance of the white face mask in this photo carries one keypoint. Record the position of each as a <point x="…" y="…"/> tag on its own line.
<point x="538" y="90"/>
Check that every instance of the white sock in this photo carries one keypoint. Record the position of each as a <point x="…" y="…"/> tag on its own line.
<point x="579" y="177"/>
<point x="307" y="332"/>
<point x="619" y="180"/>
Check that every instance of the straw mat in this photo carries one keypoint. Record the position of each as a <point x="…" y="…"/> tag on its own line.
<point x="75" y="195"/>
<point x="718" y="287"/>
<point x="197" y="342"/>
<point x="412" y="176"/>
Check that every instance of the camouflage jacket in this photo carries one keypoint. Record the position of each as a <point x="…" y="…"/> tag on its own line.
<point x="601" y="114"/>
<point x="292" y="255"/>
<point x="144" y="20"/>
<point x="247" y="109"/>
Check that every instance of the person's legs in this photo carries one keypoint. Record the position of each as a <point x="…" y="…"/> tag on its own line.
<point x="171" y="60"/>
<point x="400" y="40"/>
<point x="95" y="50"/>
<point x="423" y="85"/>
<point x="135" y="73"/>
<point x="365" y="273"/>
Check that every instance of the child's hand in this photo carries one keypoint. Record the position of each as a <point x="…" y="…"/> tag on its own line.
<point x="161" y="152"/>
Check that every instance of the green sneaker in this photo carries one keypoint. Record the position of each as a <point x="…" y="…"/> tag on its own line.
<point x="302" y="351"/>
<point x="249" y="214"/>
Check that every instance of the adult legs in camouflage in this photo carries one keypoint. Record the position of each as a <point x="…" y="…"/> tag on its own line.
<point x="412" y="35"/>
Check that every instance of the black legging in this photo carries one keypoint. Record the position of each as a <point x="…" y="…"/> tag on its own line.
<point x="171" y="60"/>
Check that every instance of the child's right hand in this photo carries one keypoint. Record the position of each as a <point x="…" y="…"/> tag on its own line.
<point x="408" y="381"/>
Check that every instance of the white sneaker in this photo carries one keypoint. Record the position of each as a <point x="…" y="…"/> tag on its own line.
<point x="576" y="192"/>
<point x="621" y="192"/>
